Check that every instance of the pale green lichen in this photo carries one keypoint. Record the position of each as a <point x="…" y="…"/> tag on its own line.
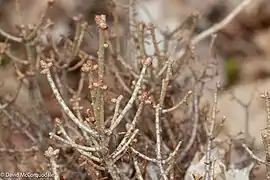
<point x="232" y="71"/>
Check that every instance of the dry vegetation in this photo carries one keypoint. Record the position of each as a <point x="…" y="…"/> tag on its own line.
<point x="82" y="98"/>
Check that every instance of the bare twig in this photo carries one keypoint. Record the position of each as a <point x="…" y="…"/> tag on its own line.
<point x="217" y="27"/>
<point x="266" y="134"/>
<point x="60" y="100"/>
<point x="158" y="143"/>
<point x="208" y="162"/>
<point x="52" y="155"/>
<point x="252" y="155"/>
<point x="147" y="62"/>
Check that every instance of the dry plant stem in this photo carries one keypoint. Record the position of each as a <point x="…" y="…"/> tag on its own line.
<point x="184" y="100"/>
<point x="158" y="143"/>
<point x="41" y="24"/>
<point x="129" y="136"/>
<point x="195" y="126"/>
<point x="52" y="155"/>
<point x="156" y="47"/>
<point x="168" y="129"/>
<point x="10" y="37"/>
<point x="215" y="28"/>
<point x="132" y="21"/>
<point x="113" y="170"/>
<point x="165" y="83"/>
<point x="127" y="66"/>
<point x="54" y="169"/>
<point x="35" y="93"/>
<point x="93" y="92"/>
<point x="38" y="58"/>
<point x="137" y="153"/>
<point x="183" y="52"/>
<point x="16" y="59"/>
<point x="78" y="65"/>
<point x="173" y="154"/>
<point x="172" y="158"/>
<point x="212" y="30"/>
<point x="82" y="149"/>
<point x="40" y="109"/>
<point x="117" y="107"/>
<point x="246" y="107"/>
<point x="73" y="144"/>
<point x="18" y="10"/>
<point x="140" y="28"/>
<point x="252" y="155"/>
<point x="151" y="18"/>
<point x="266" y="97"/>
<point x="77" y="106"/>
<point x="59" y="84"/>
<point x="3" y="106"/>
<point x="132" y="12"/>
<point x="168" y="160"/>
<point x="27" y="150"/>
<point x="81" y="54"/>
<point x="19" y="124"/>
<point x="131" y="100"/>
<point x="117" y="155"/>
<point x="120" y="79"/>
<point x="211" y="46"/>
<point x="266" y="134"/>
<point x="97" y="167"/>
<point x="139" y="175"/>
<point x="120" y="59"/>
<point x="89" y="156"/>
<point x="85" y="135"/>
<point x="66" y="108"/>
<point x="116" y="31"/>
<point x="266" y="142"/>
<point x="80" y="31"/>
<point x="210" y="137"/>
<point x="131" y="127"/>
<point x="100" y="92"/>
